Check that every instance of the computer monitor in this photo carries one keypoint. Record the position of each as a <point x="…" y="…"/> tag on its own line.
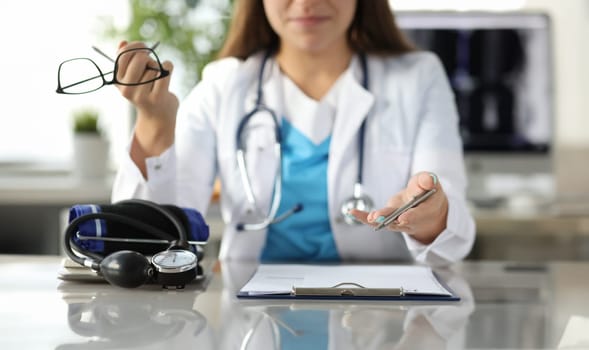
<point x="500" y="68"/>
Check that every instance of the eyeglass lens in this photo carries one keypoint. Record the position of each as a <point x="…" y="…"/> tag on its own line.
<point x="80" y="75"/>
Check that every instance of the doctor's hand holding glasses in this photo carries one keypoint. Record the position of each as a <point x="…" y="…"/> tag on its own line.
<point x="141" y="77"/>
<point x="82" y="75"/>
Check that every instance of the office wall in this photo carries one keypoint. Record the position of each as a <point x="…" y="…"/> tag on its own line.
<point x="571" y="39"/>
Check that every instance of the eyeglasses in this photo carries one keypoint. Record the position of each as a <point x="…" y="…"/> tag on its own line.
<point x="82" y="75"/>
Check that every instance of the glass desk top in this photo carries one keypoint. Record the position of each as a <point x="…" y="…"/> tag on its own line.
<point x="504" y="305"/>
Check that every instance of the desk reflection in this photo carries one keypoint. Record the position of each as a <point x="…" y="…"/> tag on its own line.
<point x="117" y="319"/>
<point x="267" y="324"/>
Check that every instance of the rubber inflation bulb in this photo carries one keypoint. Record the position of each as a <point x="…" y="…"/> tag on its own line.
<point x="126" y="268"/>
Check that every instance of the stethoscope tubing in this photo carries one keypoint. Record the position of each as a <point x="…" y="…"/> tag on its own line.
<point x="277" y="190"/>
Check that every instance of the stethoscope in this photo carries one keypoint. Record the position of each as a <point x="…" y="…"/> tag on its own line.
<point x="359" y="199"/>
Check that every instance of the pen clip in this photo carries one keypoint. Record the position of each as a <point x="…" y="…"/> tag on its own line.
<point x="411" y="204"/>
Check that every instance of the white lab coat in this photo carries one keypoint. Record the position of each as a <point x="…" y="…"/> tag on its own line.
<point x="412" y="126"/>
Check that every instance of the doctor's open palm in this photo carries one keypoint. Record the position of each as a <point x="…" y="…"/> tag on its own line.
<point x="156" y="105"/>
<point x="423" y="222"/>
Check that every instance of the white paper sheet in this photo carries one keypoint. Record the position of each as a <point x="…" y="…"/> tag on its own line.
<point x="281" y="278"/>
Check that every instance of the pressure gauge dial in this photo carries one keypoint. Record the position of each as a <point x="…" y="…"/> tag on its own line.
<point x="175" y="267"/>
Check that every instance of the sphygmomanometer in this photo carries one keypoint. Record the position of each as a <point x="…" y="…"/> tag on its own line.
<point x="133" y="242"/>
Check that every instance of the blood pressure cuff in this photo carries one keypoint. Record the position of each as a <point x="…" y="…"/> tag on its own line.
<point x="192" y="221"/>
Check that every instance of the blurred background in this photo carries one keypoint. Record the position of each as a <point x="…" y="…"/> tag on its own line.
<point x="518" y="69"/>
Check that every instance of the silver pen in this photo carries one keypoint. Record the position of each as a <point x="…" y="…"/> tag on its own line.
<point x="411" y="204"/>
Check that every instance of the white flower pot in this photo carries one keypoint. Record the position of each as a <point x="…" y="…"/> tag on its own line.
<point x="91" y="156"/>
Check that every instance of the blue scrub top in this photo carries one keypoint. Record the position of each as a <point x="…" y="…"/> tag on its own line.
<point x="306" y="235"/>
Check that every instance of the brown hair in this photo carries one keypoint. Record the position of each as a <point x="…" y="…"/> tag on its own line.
<point x="373" y="30"/>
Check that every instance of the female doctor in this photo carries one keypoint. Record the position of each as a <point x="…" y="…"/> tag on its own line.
<point x="319" y="119"/>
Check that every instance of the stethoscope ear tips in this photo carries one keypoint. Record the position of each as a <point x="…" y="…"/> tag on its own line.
<point x="297" y="208"/>
<point x="126" y="268"/>
<point x="267" y="222"/>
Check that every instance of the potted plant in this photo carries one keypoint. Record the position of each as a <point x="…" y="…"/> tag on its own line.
<point x="91" y="148"/>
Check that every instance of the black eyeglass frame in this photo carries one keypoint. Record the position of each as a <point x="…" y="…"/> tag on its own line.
<point x="61" y="90"/>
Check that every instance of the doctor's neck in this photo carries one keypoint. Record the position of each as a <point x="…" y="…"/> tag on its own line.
<point x="314" y="72"/>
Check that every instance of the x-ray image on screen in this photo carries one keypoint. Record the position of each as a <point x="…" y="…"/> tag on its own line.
<point x="499" y="66"/>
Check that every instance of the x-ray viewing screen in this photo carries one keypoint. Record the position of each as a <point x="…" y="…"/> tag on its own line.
<point x="499" y="66"/>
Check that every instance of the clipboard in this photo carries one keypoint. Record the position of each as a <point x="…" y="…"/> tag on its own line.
<point x="372" y="282"/>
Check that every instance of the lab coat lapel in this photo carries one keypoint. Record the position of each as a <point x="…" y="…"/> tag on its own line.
<point x="271" y="89"/>
<point x="353" y="106"/>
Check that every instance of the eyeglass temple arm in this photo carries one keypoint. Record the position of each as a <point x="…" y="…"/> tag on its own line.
<point x="103" y="54"/>
<point x="110" y="58"/>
